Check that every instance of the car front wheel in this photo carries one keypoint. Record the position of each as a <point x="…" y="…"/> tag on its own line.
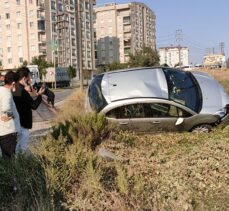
<point x="202" y="128"/>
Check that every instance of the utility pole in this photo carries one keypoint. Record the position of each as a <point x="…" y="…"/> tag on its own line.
<point x="80" y="65"/>
<point x="213" y="50"/>
<point x="179" y="38"/>
<point x="208" y="51"/>
<point x="222" y="47"/>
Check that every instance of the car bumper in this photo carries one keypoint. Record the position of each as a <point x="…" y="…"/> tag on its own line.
<point x="225" y="120"/>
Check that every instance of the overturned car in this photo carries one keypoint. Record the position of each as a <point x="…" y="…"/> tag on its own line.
<point x="159" y="99"/>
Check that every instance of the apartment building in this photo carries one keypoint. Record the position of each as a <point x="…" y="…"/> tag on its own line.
<point x="74" y="33"/>
<point x="173" y="55"/>
<point x="214" y="61"/>
<point x="60" y="31"/>
<point x="121" y="29"/>
<point x="18" y="32"/>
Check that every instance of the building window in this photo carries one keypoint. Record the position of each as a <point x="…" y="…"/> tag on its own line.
<point x="89" y="64"/>
<point x="10" y="61"/>
<point x="19" y="49"/>
<point x="126" y="19"/>
<point x="73" y="42"/>
<point x="32" y="36"/>
<point x="53" y="27"/>
<point x="18" y="14"/>
<point x="21" y="60"/>
<point x="87" y="25"/>
<point x="87" y="5"/>
<point x="88" y="35"/>
<point x="9" y="49"/>
<point x="60" y="7"/>
<point x="8" y="26"/>
<point x="33" y="48"/>
<point x="31" y="13"/>
<point x="53" y="5"/>
<point x="87" y="16"/>
<point x="8" y="38"/>
<point x="19" y="38"/>
<point x="7" y="4"/>
<point x="30" y="1"/>
<point x="31" y="24"/>
<point x="7" y="15"/>
<point x="19" y="25"/>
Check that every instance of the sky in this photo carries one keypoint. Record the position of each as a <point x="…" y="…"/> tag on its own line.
<point x="204" y="24"/>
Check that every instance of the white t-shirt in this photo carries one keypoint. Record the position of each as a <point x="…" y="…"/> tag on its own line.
<point x="7" y="105"/>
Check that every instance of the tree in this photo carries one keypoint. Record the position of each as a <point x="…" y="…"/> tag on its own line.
<point x="1" y="66"/>
<point x="24" y="64"/>
<point x="71" y="72"/>
<point x="42" y="65"/>
<point x="147" y="57"/>
<point x="115" y="66"/>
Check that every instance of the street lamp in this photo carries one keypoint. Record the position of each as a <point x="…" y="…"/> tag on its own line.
<point x="54" y="48"/>
<point x="80" y="44"/>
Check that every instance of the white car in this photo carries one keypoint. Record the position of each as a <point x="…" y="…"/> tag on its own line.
<point x="159" y="99"/>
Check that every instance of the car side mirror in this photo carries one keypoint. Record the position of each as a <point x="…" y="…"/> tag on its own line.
<point x="179" y="121"/>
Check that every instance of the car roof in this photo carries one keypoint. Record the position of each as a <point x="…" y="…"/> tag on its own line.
<point x="133" y="83"/>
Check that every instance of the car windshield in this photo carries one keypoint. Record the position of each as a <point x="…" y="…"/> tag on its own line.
<point x="183" y="89"/>
<point x="96" y="99"/>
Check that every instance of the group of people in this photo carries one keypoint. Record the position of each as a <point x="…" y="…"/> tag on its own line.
<point x="16" y="105"/>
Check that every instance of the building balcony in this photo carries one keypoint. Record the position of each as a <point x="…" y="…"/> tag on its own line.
<point x="40" y="17"/>
<point x="42" y="52"/>
<point x="41" y="29"/>
<point x="127" y="44"/>
<point x="127" y="36"/>
<point x="42" y="41"/>
<point x="127" y="29"/>
<point x="41" y="6"/>
<point x="127" y="51"/>
<point x="126" y="22"/>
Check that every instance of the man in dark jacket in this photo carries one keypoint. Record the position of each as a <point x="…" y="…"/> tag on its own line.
<point x="25" y="104"/>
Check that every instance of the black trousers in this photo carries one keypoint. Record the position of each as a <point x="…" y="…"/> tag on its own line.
<point x="8" y="144"/>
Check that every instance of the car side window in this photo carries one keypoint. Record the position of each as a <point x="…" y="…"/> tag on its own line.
<point x="161" y="110"/>
<point x="156" y="110"/>
<point x="135" y="110"/>
<point x="127" y="111"/>
<point x="117" y="113"/>
<point x="183" y="113"/>
<point x="147" y="110"/>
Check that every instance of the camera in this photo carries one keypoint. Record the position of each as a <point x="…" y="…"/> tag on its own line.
<point x="50" y="94"/>
<point x="37" y="86"/>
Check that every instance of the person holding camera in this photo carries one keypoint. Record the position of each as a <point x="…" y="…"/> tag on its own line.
<point x="9" y="120"/>
<point x="25" y="104"/>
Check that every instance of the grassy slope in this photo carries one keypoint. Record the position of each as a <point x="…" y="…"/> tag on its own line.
<point x="172" y="171"/>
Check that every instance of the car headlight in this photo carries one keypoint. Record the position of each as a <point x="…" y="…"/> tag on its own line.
<point x="222" y="112"/>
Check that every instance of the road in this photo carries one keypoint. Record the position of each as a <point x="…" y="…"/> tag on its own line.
<point x="43" y="115"/>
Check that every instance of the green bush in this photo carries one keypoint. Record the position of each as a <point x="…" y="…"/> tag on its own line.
<point x="172" y="171"/>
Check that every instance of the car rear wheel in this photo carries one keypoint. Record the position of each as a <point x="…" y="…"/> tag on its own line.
<point x="205" y="128"/>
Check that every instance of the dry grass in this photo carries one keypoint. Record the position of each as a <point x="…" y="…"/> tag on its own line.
<point x="181" y="171"/>
<point x="74" y="106"/>
<point x="164" y="171"/>
<point x="221" y="74"/>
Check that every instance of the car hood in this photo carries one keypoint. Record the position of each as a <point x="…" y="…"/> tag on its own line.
<point x="140" y="83"/>
<point x="214" y="95"/>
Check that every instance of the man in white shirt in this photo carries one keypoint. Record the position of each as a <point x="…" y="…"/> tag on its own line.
<point x="9" y="117"/>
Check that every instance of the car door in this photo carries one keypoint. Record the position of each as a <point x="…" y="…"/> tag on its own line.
<point x="118" y="116"/>
<point x="147" y="117"/>
<point x="157" y="117"/>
